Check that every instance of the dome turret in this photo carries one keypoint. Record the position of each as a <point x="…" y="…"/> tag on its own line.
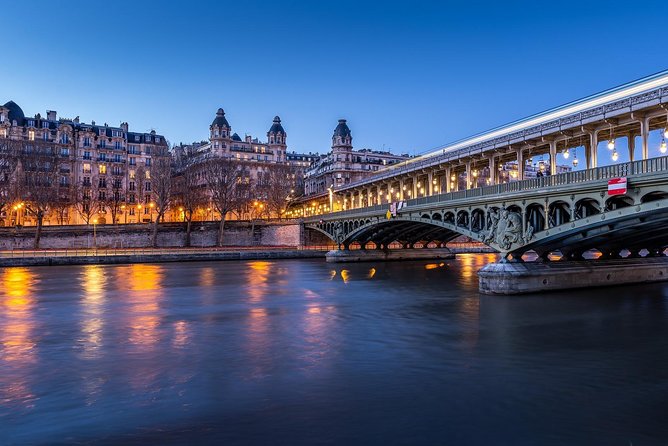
<point x="342" y="129"/>
<point x="15" y="113"/>
<point x="220" y="120"/>
<point x="277" y="128"/>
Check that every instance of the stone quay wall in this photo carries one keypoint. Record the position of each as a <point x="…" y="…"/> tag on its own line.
<point x="287" y="233"/>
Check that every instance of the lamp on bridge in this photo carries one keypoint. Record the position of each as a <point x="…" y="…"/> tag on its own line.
<point x="611" y="141"/>
<point x="575" y="160"/>
<point x="615" y="155"/>
<point x="565" y="154"/>
<point x="663" y="148"/>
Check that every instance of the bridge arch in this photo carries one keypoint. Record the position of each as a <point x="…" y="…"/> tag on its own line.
<point x="653" y="196"/>
<point x="586" y="207"/>
<point x="618" y="202"/>
<point x="559" y="213"/>
<point x="535" y="216"/>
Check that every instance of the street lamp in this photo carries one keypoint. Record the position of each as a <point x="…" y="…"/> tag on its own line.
<point x="139" y="206"/>
<point x="95" y="233"/>
<point x="150" y="215"/>
<point x="125" y="215"/>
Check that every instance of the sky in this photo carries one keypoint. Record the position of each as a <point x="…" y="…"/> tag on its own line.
<point x="408" y="76"/>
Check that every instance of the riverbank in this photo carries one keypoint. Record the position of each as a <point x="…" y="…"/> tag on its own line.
<point x="120" y="256"/>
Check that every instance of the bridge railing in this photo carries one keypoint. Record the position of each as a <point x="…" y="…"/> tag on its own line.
<point x="640" y="167"/>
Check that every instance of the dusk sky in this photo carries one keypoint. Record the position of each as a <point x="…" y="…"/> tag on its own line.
<point x="408" y="76"/>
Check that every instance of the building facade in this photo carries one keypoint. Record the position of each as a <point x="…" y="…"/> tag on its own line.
<point x="104" y="172"/>
<point x="344" y="165"/>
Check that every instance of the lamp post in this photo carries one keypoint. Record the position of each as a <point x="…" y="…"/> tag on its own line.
<point x="95" y="233"/>
<point x="139" y="213"/>
<point x="150" y="215"/>
<point x="125" y="215"/>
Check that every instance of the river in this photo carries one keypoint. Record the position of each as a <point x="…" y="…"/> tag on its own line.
<point x="303" y="352"/>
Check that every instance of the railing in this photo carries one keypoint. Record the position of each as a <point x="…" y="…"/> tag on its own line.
<point x="641" y="167"/>
<point x="109" y="252"/>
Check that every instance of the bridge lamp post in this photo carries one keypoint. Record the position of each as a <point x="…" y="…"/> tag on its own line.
<point x="663" y="148"/>
<point x="615" y="155"/>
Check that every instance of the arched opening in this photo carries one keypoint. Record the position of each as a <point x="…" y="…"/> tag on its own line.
<point x="449" y="218"/>
<point x="586" y="207"/>
<point x="437" y="216"/>
<point x="535" y="216"/>
<point x="477" y="220"/>
<point x="618" y="202"/>
<point x="463" y="219"/>
<point x="427" y="216"/>
<point x="559" y="213"/>
<point x="653" y="196"/>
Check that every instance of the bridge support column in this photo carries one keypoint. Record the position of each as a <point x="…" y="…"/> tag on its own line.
<point x="492" y="170"/>
<point x="632" y="146"/>
<point x="448" y="171"/>
<point x="553" y="157"/>
<point x="644" y="134"/>
<point x="429" y="188"/>
<point x="468" y="175"/>
<point x="415" y="187"/>
<point x="520" y="164"/>
<point x="369" y="197"/>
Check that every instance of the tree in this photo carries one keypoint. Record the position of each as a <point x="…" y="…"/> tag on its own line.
<point x="9" y="150"/>
<point x="86" y="201"/>
<point x="281" y="185"/>
<point x="161" y="185"/>
<point x="222" y="178"/>
<point x="37" y="170"/>
<point x="189" y="191"/>
<point x="115" y="198"/>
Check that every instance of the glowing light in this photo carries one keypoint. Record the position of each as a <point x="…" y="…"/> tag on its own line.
<point x="663" y="148"/>
<point x="611" y="144"/>
<point x="575" y="161"/>
<point x="566" y="154"/>
<point x="615" y="155"/>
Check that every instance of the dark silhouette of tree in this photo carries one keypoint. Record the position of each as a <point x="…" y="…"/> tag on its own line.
<point x="161" y="187"/>
<point x="222" y="178"/>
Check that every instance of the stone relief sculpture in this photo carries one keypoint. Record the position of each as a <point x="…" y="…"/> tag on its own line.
<point x="338" y="233"/>
<point x="506" y="228"/>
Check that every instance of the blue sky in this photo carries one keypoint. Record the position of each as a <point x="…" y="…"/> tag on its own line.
<point x="408" y="76"/>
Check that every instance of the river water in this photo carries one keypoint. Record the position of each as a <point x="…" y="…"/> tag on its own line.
<point x="304" y="352"/>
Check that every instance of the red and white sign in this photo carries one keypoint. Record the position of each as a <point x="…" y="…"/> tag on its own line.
<point x="617" y="186"/>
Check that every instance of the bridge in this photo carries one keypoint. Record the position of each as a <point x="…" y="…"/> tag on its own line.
<point x="457" y="190"/>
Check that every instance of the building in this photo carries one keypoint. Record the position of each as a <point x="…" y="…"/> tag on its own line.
<point x="103" y="172"/>
<point x="257" y="159"/>
<point x="344" y="165"/>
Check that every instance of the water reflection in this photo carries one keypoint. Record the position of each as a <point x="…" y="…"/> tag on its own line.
<point x="17" y="334"/>
<point x="257" y="274"/>
<point x="318" y="331"/>
<point x="93" y="284"/>
<point x="145" y="291"/>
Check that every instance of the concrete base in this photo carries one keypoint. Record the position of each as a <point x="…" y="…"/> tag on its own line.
<point x="532" y="277"/>
<point x="373" y="255"/>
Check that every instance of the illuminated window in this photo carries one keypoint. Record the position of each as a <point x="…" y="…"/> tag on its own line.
<point x="148" y="174"/>
<point x="31" y="135"/>
<point x="86" y="168"/>
<point x="132" y="174"/>
<point x="102" y="168"/>
<point x="3" y="133"/>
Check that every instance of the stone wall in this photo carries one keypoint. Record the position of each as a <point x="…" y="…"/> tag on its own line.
<point x="285" y="233"/>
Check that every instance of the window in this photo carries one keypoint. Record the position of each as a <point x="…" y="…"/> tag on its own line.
<point x="86" y="168"/>
<point x="148" y="174"/>
<point x="132" y="174"/>
<point x="31" y="123"/>
<point x="102" y="182"/>
<point x="102" y="195"/>
<point x="86" y="141"/>
<point x="86" y="155"/>
<point x="132" y="185"/>
<point x="157" y="139"/>
<point x="132" y="150"/>
<point x="64" y="139"/>
<point x="102" y="169"/>
<point x="132" y="200"/>
<point x="31" y="135"/>
<point x="102" y="157"/>
<point x="65" y="151"/>
<point x="3" y="133"/>
<point x="86" y="181"/>
<point x="117" y="158"/>
<point x="45" y="125"/>
<point x="45" y="135"/>
<point x="133" y="161"/>
<point x="103" y="144"/>
<point x="147" y="187"/>
<point x="117" y="145"/>
<point x="137" y="138"/>
<point x="148" y="162"/>
<point x="147" y="150"/>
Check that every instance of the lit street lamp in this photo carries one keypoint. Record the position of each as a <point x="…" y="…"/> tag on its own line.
<point x="95" y="233"/>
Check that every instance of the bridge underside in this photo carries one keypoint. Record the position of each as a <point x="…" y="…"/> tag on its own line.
<point x="406" y="233"/>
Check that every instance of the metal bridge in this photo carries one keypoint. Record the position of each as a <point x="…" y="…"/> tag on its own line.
<point x="570" y="212"/>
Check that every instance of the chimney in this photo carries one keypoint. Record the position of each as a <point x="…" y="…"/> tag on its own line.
<point x="248" y="139"/>
<point x="51" y="115"/>
<point x="76" y="120"/>
<point x="124" y="126"/>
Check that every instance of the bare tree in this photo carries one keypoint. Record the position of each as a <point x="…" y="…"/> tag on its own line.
<point x="86" y="201"/>
<point x="9" y="150"/>
<point x="38" y="171"/>
<point x="115" y="198"/>
<point x="189" y="192"/>
<point x="222" y="178"/>
<point x="281" y="184"/>
<point x="161" y="185"/>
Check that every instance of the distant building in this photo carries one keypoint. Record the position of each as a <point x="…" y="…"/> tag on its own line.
<point x="104" y="163"/>
<point x="344" y="165"/>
